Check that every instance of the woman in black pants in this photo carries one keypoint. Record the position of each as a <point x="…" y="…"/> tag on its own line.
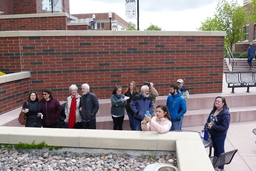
<point x="118" y="102"/>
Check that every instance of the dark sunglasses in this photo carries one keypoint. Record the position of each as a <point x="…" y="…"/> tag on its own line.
<point x="44" y="94"/>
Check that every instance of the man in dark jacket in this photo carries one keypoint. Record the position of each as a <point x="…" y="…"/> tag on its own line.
<point x="89" y="106"/>
<point x="140" y="104"/>
<point x="183" y="89"/>
<point x="251" y="54"/>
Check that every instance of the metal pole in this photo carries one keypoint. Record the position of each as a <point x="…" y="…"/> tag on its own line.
<point x="110" y="24"/>
<point x="138" y="16"/>
<point x="52" y="5"/>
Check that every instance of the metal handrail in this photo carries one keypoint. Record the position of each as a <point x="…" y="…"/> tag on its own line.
<point x="231" y="58"/>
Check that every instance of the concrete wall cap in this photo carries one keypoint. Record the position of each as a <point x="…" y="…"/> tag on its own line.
<point x="108" y="33"/>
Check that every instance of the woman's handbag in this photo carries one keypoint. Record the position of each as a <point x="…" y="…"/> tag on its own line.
<point x="22" y="118"/>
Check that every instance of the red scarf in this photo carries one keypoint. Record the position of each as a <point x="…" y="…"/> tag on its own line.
<point x="72" y="114"/>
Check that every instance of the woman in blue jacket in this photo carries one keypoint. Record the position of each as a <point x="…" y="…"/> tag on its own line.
<point x="117" y="109"/>
<point x="218" y="124"/>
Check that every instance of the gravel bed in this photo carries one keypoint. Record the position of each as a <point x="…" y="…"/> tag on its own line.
<point x="62" y="160"/>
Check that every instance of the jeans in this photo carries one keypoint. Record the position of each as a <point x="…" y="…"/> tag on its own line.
<point x="89" y="125"/>
<point x="131" y="120"/>
<point x="176" y="125"/>
<point x="218" y="146"/>
<point x="118" y="122"/>
<point x="137" y="124"/>
<point x="249" y="61"/>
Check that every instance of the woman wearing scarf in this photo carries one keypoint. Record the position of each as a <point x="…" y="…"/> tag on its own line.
<point x="73" y="117"/>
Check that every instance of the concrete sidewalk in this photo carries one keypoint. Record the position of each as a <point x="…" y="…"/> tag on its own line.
<point x="241" y="137"/>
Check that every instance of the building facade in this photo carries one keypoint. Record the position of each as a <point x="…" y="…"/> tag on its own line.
<point x="249" y="33"/>
<point x="101" y="21"/>
<point x="42" y="15"/>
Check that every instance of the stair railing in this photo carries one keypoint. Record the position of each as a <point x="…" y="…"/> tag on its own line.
<point x="232" y="60"/>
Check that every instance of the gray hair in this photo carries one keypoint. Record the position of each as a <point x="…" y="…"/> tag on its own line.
<point x="73" y="87"/>
<point x="86" y="86"/>
<point x="144" y="87"/>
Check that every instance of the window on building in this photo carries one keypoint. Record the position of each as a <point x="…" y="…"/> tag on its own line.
<point x="100" y="26"/>
<point x="254" y="37"/>
<point x="246" y="33"/>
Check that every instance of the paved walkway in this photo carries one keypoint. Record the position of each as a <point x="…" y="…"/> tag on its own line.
<point x="239" y="137"/>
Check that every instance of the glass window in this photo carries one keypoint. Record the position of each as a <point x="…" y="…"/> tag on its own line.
<point x="246" y="33"/>
<point x="100" y="25"/>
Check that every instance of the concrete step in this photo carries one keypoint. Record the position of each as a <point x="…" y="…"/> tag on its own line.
<point x="242" y="108"/>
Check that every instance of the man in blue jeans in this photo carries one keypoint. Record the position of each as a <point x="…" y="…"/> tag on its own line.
<point x="251" y="54"/>
<point x="140" y="104"/>
<point x="176" y="106"/>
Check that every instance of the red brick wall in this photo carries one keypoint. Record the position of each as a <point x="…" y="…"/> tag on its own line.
<point x="13" y="94"/>
<point x="24" y="6"/>
<point x="77" y="27"/>
<point x="6" y="6"/>
<point x="37" y="23"/>
<point x="103" y="62"/>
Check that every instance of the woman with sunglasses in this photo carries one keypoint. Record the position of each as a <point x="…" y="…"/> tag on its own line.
<point x="51" y="110"/>
<point x="161" y="122"/>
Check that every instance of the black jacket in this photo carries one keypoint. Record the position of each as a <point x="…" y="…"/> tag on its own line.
<point x="90" y="106"/>
<point x="128" y="93"/>
<point x="220" y="123"/>
<point x="32" y="119"/>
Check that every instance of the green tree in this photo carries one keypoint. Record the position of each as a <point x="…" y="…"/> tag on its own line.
<point x="252" y="11"/>
<point x="153" y="28"/>
<point x="229" y="17"/>
<point x="132" y="27"/>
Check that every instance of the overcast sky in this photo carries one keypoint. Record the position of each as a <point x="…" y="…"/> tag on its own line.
<point x="170" y="15"/>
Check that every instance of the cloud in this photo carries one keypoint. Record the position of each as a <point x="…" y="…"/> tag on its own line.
<point x="170" y="15"/>
<point x="173" y="5"/>
<point x="164" y="5"/>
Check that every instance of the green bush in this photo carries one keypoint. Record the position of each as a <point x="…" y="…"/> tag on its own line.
<point x="236" y="54"/>
<point x="243" y="55"/>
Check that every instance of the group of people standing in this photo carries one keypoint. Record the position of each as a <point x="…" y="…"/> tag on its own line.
<point x="79" y="111"/>
<point x="137" y="104"/>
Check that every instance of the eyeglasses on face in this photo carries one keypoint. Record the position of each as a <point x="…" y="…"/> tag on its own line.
<point x="44" y="94"/>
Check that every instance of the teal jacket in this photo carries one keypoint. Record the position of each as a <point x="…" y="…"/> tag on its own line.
<point x="118" y="106"/>
<point x="176" y="105"/>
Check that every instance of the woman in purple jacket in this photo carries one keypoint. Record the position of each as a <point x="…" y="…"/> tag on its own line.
<point x="218" y="124"/>
<point x="51" y="110"/>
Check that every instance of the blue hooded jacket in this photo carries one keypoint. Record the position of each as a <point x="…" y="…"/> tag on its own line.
<point x="251" y="52"/>
<point x="140" y="105"/>
<point x="176" y="105"/>
<point x="220" y="124"/>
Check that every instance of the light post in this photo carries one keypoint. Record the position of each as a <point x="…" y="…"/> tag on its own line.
<point x="93" y="21"/>
<point x="110" y="17"/>
<point x="138" y="15"/>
